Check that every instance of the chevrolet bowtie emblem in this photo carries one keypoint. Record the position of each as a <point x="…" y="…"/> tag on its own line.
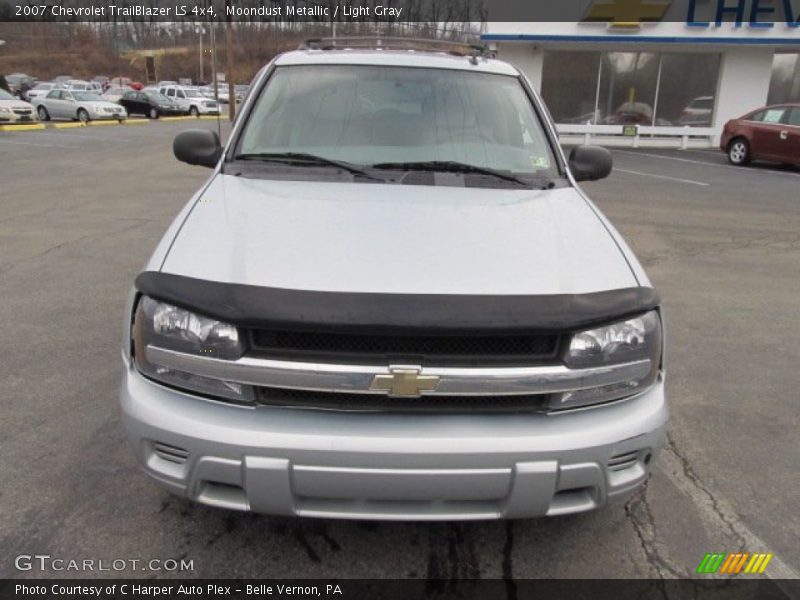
<point x="404" y="381"/>
<point x="627" y="13"/>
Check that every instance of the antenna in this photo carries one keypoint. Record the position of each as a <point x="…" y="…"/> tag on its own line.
<point x="214" y="75"/>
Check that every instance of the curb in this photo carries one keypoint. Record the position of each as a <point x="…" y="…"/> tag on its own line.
<point x="64" y="125"/>
<point x="28" y="127"/>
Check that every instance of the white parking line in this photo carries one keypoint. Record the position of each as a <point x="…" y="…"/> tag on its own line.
<point x="741" y="170"/>
<point x="678" y="179"/>
<point x="718" y="512"/>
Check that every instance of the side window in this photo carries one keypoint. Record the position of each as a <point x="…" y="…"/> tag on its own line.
<point x="171" y="92"/>
<point x="54" y="95"/>
<point x="66" y="96"/>
<point x="794" y="117"/>
<point x="162" y="90"/>
<point x="773" y="115"/>
<point x="181" y="94"/>
<point x="756" y="116"/>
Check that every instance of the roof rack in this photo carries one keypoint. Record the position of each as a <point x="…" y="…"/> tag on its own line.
<point x="474" y="51"/>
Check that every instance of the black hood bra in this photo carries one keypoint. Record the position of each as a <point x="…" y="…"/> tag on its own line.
<point x="256" y="306"/>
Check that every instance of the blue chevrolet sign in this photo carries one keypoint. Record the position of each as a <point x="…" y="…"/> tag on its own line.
<point x="753" y="13"/>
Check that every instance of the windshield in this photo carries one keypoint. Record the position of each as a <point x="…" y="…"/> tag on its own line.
<point x="400" y="118"/>
<point x="4" y="95"/>
<point x="158" y="97"/>
<point x="86" y="97"/>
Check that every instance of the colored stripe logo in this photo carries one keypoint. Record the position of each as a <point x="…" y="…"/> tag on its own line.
<point x="733" y="564"/>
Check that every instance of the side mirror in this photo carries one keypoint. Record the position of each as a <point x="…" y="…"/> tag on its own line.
<point x="590" y="163"/>
<point x="198" y="147"/>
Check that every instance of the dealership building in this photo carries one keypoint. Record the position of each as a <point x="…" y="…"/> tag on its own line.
<point x="600" y="77"/>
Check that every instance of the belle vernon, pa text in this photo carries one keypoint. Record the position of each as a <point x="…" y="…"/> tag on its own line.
<point x="156" y="590"/>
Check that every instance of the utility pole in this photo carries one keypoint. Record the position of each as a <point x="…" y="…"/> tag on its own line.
<point x="229" y="61"/>
<point x="201" y="31"/>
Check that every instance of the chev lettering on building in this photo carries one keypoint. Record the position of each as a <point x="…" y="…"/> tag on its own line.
<point x="699" y="13"/>
<point x="754" y="13"/>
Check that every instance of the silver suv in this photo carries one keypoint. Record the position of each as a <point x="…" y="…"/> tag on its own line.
<point x="392" y="300"/>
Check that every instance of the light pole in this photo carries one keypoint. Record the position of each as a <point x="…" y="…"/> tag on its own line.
<point x="201" y="31"/>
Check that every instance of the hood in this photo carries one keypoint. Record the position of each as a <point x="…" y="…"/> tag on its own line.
<point x="361" y="237"/>
<point x="15" y="104"/>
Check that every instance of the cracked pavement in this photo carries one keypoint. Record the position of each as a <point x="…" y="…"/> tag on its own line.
<point x="82" y="210"/>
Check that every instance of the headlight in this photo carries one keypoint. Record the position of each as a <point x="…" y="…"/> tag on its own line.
<point x="169" y="327"/>
<point x="633" y="340"/>
<point x="4" y="109"/>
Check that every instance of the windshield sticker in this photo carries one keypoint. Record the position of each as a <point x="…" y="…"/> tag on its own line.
<point x="540" y="162"/>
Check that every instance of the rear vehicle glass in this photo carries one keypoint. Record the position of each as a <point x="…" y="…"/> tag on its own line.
<point x="794" y="117"/>
<point x="366" y="115"/>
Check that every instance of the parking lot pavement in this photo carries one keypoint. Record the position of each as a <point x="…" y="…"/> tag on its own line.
<point x="81" y="211"/>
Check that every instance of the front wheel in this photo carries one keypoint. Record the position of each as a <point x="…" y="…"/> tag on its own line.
<point x="83" y="116"/>
<point x="193" y="111"/>
<point x="43" y="114"/>
<point x="739" y="152"/>
<point x="153" y="113"/>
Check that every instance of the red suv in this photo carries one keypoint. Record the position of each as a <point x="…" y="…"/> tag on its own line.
<point x="771" y="134"/>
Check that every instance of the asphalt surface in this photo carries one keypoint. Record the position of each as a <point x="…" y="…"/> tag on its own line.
<point x="82" y="209"/>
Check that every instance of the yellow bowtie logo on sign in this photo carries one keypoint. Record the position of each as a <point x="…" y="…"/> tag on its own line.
<point x="627" y="13"/>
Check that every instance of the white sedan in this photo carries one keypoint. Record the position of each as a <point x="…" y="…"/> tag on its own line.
<point x="83" y="106"/>
<point x="14" y="110"/>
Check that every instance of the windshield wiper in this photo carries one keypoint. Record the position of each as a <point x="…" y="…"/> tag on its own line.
<point x="451" y="166"/>
<point x="304" y="157"/>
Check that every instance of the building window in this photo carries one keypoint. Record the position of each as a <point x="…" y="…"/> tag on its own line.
<point x="687" y="89"/>
<point x="643" y="88"/>
<point x="569" y="85"/>
<point x="785" y="84"/>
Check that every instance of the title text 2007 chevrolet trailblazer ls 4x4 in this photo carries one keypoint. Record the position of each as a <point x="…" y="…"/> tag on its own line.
<point x="392" y="301"/>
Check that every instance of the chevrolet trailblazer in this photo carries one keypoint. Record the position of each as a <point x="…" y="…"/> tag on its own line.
<point x="392" y="300"/>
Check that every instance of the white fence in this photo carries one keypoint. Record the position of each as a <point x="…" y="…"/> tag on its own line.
<point x="637" y="136"/>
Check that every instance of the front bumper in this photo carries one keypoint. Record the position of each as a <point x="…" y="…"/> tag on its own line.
<point x="17" y="118"/>
<point x="360" y="465"/>
<point x="102" y="116"/>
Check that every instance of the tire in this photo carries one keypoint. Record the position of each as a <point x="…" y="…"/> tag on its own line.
<point x="193" y="111"/>
<point x="83" y="116"/>
<point x="43" y="114"/>
<point x="739" y="152"/>
<point x="153" y="113"/>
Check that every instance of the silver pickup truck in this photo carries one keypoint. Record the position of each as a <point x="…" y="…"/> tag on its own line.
<point x="392" y="300"/>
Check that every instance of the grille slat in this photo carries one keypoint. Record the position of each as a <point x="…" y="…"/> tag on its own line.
<point x="441" y="350"/>
<point x="170" y="453"/>
<point x="381" y="402"/>
<point x="623" y="461"/>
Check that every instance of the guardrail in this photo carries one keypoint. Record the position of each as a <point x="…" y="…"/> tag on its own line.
<point x="636" y="136"/>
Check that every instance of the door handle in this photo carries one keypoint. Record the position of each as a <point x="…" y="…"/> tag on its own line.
<point x="784" y="135"/>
